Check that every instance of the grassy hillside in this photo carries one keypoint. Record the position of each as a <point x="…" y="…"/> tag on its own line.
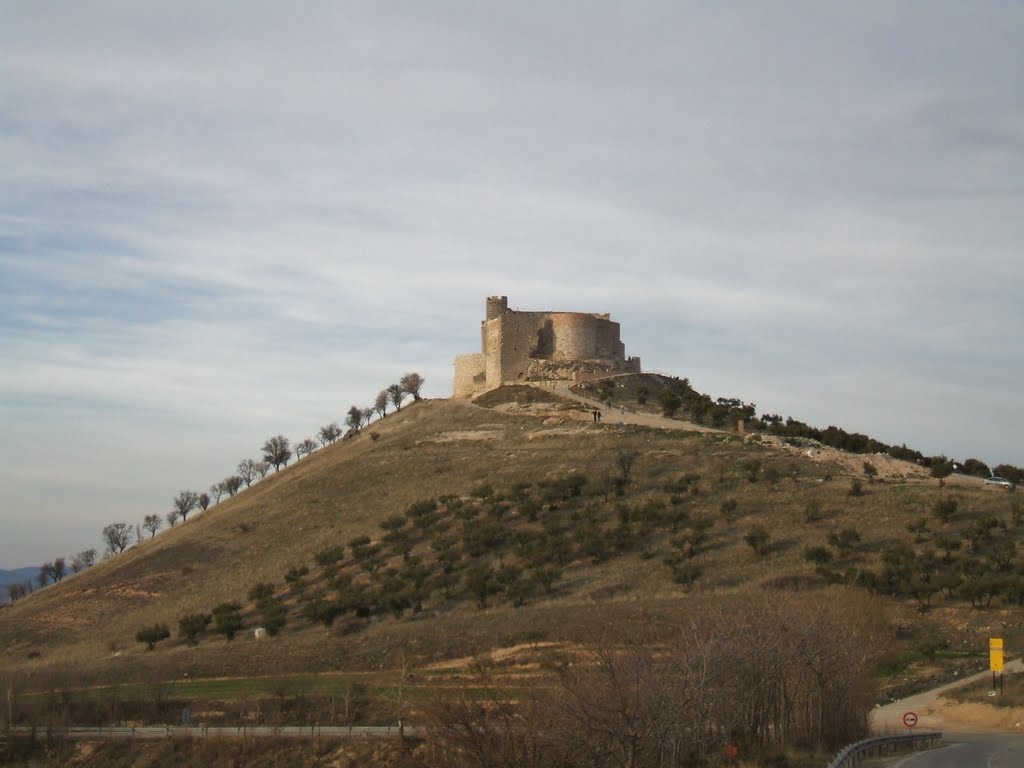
<point x="516" y="521"/>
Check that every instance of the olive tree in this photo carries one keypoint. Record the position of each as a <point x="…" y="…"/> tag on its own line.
<point x="412" y="383"/>
<point x="191" y="626"/>
<point x="117" y="537"/>
<point x="84" y="559"/>
<point x="396" y="394"/>
<point x="247" y="471"/>
<point x="277" y="451"/>
<point x="941" y="470"/>
<point x="305" y="448"/>
<point x="152" y="524"/>
<point x="354" y="418"/>
<point x="232" y="484"/>
<point x="380" y="405"/>
<point x="329" y="433"/>
<point x="153" y="635"/>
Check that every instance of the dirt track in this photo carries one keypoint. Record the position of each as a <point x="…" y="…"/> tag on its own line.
<point x="937" y="713"/>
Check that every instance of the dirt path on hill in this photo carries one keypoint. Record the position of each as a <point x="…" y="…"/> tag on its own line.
<point x="621" y="415"/>
<point x="936" y="713"/>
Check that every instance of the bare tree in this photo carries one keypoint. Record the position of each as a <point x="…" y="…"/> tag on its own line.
<point x="396" y="394"/>
<point x="138" y="533"/>
<point x="305" y="448"/>
<point x="277" y="451"/>
<point x="380" y="405"/>
<point x="204" y="501"/>
<point x="368" y="415"/>
<point x="84" y="559"/>
<point x="216" y="491"/>
<point x="247" y="471"/>
<point x="412" y="383"/>
<point x="45" y="575"/>
<point x="172" y="518"/>
<point x="58" y="569"/>
<point x="618" y="708"/>
<point x="117" y="537"/>
<point x="185" y="502"/>
<point x="152" y="524"/>
<point x="262" y="468"/>
<point x="491" y="732"/>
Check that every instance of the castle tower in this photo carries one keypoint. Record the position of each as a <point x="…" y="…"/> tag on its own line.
<point x="496" y="306"/>
<point x="520" y="347"/>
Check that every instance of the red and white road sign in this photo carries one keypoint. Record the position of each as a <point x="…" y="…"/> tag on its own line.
<point x="910" y="719"/>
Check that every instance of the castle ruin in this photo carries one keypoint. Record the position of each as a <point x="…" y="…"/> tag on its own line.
<point x="521" y="347"/>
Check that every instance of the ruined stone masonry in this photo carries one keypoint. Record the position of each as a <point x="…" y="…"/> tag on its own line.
<point x="520" y="347"/>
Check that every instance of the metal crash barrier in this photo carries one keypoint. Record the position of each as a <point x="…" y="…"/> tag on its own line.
<point x="851" y="754"/>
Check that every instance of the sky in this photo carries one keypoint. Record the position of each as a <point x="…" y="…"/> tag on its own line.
<point x="224" y="221"/>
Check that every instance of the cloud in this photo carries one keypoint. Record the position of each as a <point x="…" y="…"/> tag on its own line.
<point x="220" y="223"/>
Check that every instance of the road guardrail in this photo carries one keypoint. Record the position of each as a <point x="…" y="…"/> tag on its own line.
<point x="884" y="745"/>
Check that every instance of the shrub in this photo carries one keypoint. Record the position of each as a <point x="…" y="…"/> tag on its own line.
<point x="227" y="619"/>
<point x="670" y="402"/>
<point x="751" y="468"/>
<point x="482" y="491"/>
<point x="685" y="484"/>
<point x="273" y="616"/>
<point x="728" y="508"/>
<point x="320" y="610"/>
<point x="421" y="513"/>
<point x="684" y="571"/>
<point x="296" y="577"/>
<point x="845" y="541"/>
<point x="261" y="593"/>
<point x="945" y="509"/>
<point x="812" y="511"/>
<point x="758" y="539"/>
<point x="563" y="488"/>
<point x="191" y="626"/>
<point x="818" y="555"/>
<point x="481" y="583"/>
<point x="546" y="576"/>
<point x="153" y="635"/>
<point x="331" y="555"/>
<point x="919" y="528"/>
<point x="948" y="543"/>
<point x="856" y="487"/>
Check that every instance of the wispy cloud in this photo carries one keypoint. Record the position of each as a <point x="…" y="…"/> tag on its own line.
<point x="218" y="223"/>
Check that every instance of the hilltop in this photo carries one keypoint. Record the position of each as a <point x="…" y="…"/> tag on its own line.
<point x="451" y="532"/>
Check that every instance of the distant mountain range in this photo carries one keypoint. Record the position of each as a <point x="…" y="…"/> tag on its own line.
<point x="16" y="576"/>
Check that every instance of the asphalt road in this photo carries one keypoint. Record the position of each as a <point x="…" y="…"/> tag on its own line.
<point x="963" y="750"/>
<point x="969" y="750"/>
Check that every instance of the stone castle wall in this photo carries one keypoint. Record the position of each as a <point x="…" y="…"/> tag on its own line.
<point x="525" y="346"/>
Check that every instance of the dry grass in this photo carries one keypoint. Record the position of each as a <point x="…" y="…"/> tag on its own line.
<point x="84" y="627"/>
